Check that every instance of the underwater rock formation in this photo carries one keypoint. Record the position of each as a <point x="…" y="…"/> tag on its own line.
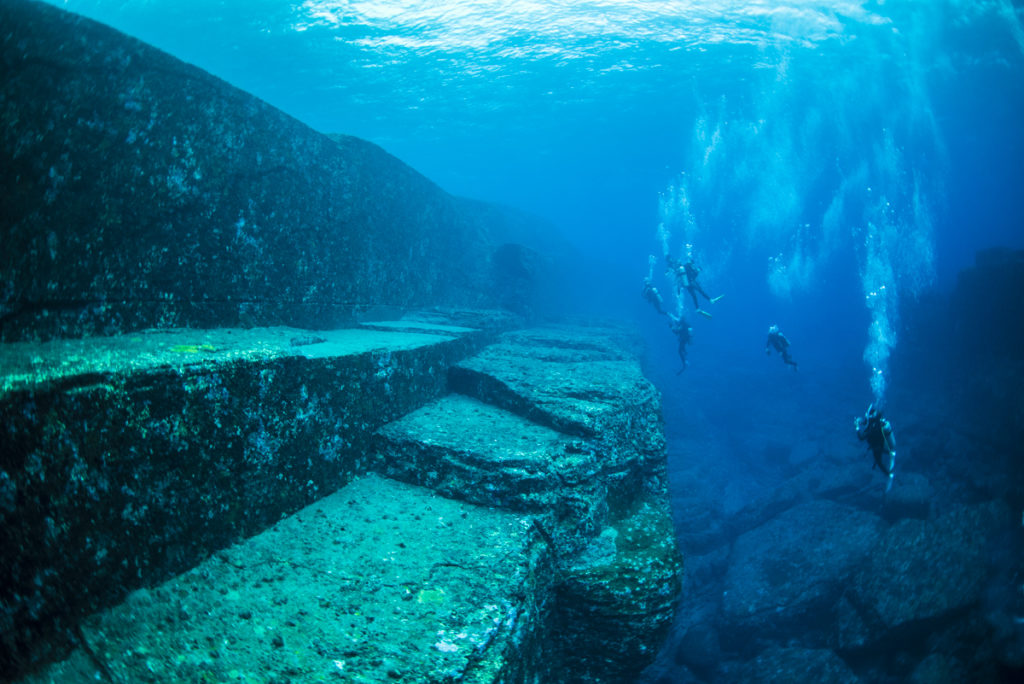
<point x="774" y="586"/>
<point x="512" y="552"/>
<point x="209" y="394"/>
<point x="560" y="423"/>
<point x="140" y="191"/>
<point x="130" y="458"/>
<point x="783" y="665"/>
<point x="378" y="582"/>
<point x="924" y="570"/>
<point x="985" y="306"/>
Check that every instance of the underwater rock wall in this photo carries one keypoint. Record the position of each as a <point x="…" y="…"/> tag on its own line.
<point x="559" y="423"/>
<point x="985" y="306"/>
<point x="487" y="547"/>
<point x="128" y="459"/>
<point x="140" y="191"/>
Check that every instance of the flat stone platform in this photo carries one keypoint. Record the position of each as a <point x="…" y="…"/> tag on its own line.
<point x="466" y="449"/>
<point x="381" y="581"/>
<point x="412" y="501"/>
<point x="31" y="365"/>
<point x="125" y="460"/>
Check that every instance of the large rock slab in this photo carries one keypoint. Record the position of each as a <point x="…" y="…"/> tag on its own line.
<point x="922" y="571"/>
<point x="381" y="581"/>
<point x="469" y="450"/>
<point x="140" y="191"/>
<point x="617" y="599"/>
<point x="127" y="459"/>
<point x="600" y="501"/>
<point x="785" y="665"/>
<point x="578" y="381"/>
<point x="786" y="574"/>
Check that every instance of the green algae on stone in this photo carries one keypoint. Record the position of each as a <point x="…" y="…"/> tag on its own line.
<point x="133" y="460"/>
<point x="327" y="595"/>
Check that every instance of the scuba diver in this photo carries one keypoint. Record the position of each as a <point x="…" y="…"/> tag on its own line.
<point x="777" y="341"/>
<point x="684" y="333"/>
<point x="651" y="294"/>
<point x="877" y="432"/>
<point x="686" y="279"/>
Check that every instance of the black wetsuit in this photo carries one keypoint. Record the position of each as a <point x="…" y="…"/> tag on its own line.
<point x="779" y="343"/>
<point x="689" y="281"/>
<point x="682" y="331"/>
<point x="877" y="432"/>
<point x="651" y="294"/>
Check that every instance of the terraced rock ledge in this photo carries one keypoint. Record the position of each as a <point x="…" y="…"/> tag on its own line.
<point x="396" y="502"/>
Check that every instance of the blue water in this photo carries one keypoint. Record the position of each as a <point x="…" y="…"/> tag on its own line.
<point x="828" y="165"/>
<point x="866" y="148"/>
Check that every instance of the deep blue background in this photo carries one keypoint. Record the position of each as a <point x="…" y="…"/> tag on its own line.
<point x="586" y="114"/>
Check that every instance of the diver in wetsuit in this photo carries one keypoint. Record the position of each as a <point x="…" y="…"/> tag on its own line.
<point x="651" y="294"/>
<point x="686" y="279"/>
<point x="877" y="432"/>
<point x="684" y="333"/>
<point x="777" y="341"/>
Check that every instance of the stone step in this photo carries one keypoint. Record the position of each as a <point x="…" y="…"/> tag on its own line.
<point x="381" y="581"/>
<point x="485" y="323"/>
<point x="480" y="453"/>
<point x="585" y="382"/>
<point x="127" y="459"/>
<point x="568" y="378"/>
<point x="562" y="427"/>
<point x="540" y="555"/>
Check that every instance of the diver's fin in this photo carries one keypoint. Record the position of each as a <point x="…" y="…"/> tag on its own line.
<point x="702" y="312"/>
<point x="716" y="298"/>
<point x="888" y="485"/>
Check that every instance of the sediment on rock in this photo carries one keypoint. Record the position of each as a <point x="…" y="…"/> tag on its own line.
<point x="218" y="434"/>
<point x="130" y="458"/>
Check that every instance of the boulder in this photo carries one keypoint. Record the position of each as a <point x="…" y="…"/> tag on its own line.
<point x="786" y="665"/>
<point x="922" y="570"/>
<point x="785" y="576"/>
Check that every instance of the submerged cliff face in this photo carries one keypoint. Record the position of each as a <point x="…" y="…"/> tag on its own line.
<point x="225" y="497"/>
<point x="140" y="191"/>
<point x="499" y="511"/>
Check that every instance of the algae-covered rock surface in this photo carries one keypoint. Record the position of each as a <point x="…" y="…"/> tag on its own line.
<point x="381" y="581"/>
<point x="558" y="422"/>
<point x="584" y="381"/>
<point x="468" y="449"/>
<point x="140" y="191"/>
<point x="36" y="365"/>
<point x="167" y="497"/>
<point x="127" y="459"/>
<point x="617" y="598"/>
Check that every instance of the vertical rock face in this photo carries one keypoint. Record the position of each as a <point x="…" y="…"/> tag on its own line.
<point x="511" y="551"/>
<point x="985" y="306"/>
<point x="127" y="459"/>
<point x="142" y="192"/>
<point x="531" y="539"/>
<point x="559" y="423"/>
